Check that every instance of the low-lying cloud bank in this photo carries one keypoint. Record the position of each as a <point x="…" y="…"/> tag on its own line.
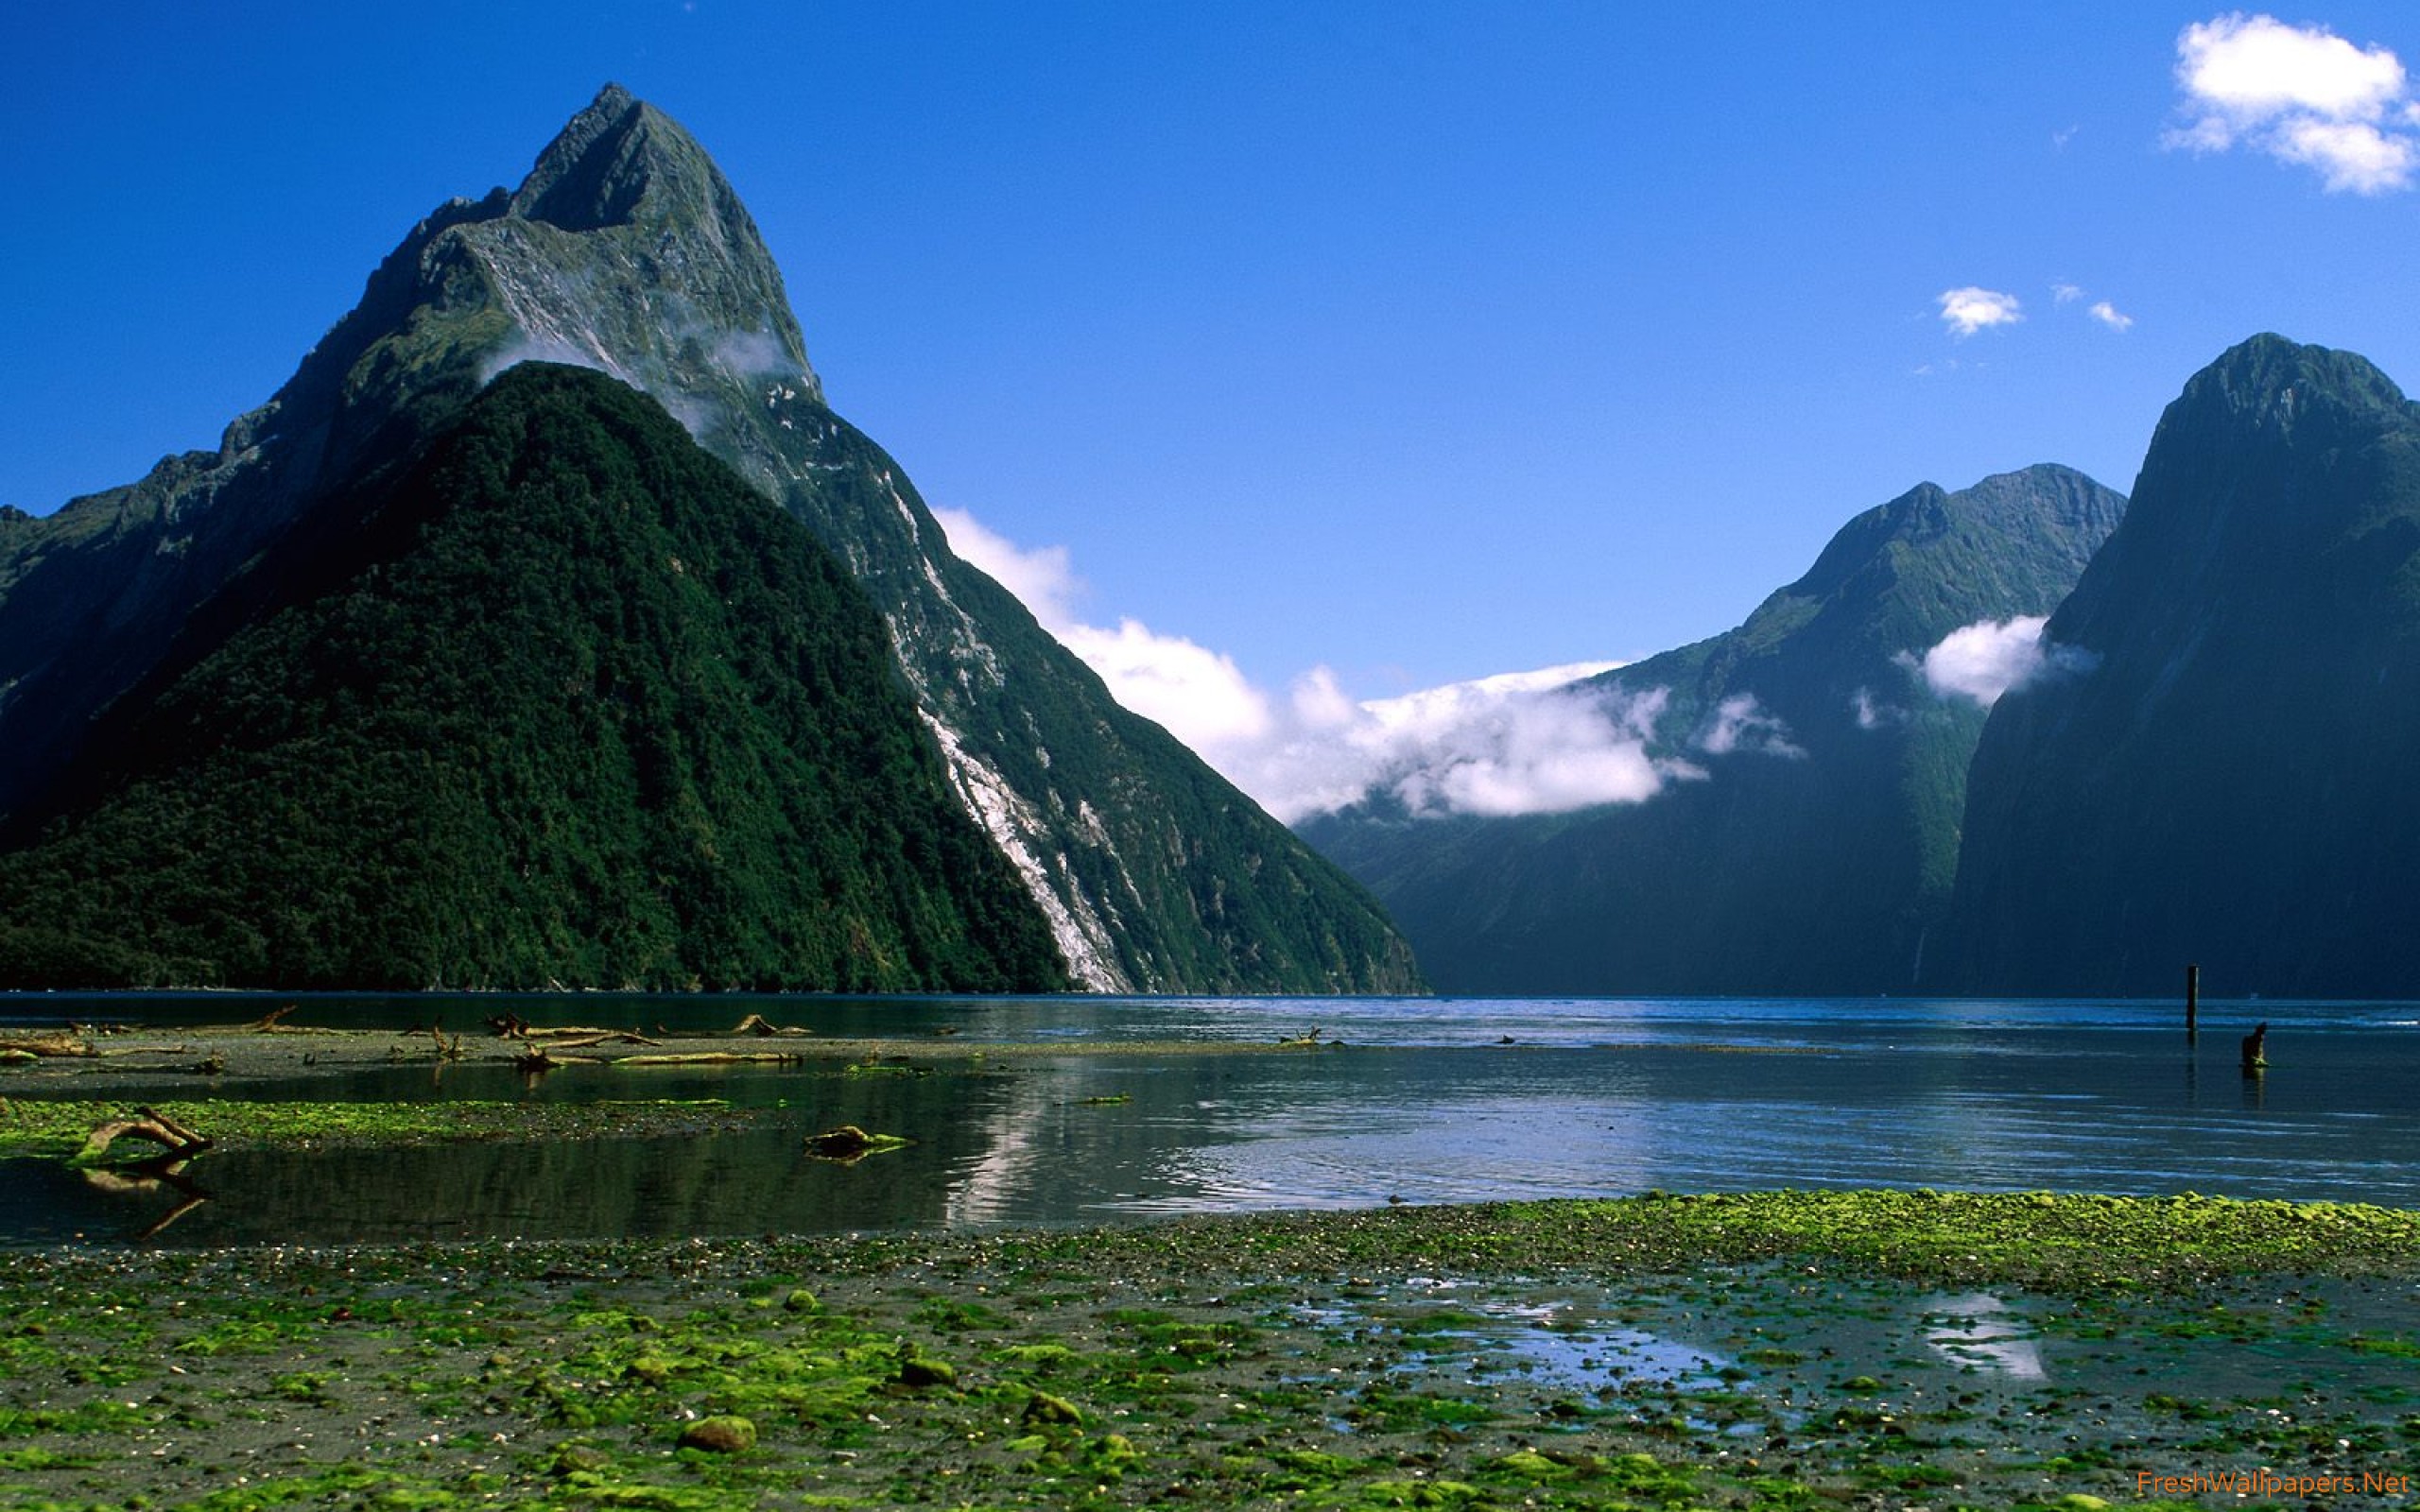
<point x="1519" y="743"/>
<point x="1199" y="695"/>
<point x="1544" y="742"/>
<point x="745" y="356"/>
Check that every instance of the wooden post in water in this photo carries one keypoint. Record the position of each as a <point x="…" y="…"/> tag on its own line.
<point x="2192" y="998"/>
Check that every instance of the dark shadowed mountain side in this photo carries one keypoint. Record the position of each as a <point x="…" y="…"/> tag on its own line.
<point x="2232" y="784"/>
<point x="567" y="705"/>
<point x="1806" y="835"/>
<point x="626" y="251"/>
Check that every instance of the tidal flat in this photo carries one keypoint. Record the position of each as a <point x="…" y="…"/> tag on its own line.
<point x="1765" y="1351"/>
<point x="1782" y="1349"/>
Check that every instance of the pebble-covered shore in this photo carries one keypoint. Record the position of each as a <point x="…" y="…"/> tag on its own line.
<point x="1776" y="1350"/>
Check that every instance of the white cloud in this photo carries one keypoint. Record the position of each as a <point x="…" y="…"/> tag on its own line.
<point x="2302" y="94"/>
<point x="2249" y="68"/>
<point x="683" y="407"/>
<point x="1968" y="309"/>
<point x="1740" y="723"/>
<point x="1518" y="743"/>
<point x="750" y="353"/>
<point x="1043" y="578"/>
<point x="1989" y="658"/>
<point x="2101" y="310"/>
<point x="526" y="347"/>
<point x="1199" y="695"/>
<point x="2352" y="155"/>
<point x="1871" y="714"/>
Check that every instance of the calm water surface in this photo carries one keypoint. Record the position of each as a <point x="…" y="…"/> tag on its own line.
<point x="1431" y="1100"/>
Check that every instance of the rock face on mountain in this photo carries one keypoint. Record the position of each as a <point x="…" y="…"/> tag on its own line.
<point x="626" y="252"/>
<point x="2231" y="785"/>
<point x="1806" y="835"/>
<point x="565" y="705"/>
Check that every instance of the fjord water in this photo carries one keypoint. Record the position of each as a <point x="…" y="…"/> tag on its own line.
<point x="1125" y="1108"/>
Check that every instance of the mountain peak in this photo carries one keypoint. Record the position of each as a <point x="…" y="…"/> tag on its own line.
<point x="2228" y="785"/>
<point x="623" y="249"/>
<point x="1857" y="544"/>
<point x="609" y="159"/>
<point x="626" y="252"/>
<point x="2274" y="383"/>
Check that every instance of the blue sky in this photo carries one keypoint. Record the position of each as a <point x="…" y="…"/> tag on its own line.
<point x="1415" y="341"/>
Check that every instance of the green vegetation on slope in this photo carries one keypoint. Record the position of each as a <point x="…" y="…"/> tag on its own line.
<point x="626" y="243"/>
<point x="1819" y="849"/>
<point x="2231" y="784"/>
<point x="1203" y="892"/>
<point x="571" y="706"/>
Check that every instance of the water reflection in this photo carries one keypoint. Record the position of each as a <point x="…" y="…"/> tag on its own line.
<point x="1559" y="1343"/>
<point x="1986" y="1333"/>
<point x="1426" y="1105"/>
<point x="1011" y="1147"/>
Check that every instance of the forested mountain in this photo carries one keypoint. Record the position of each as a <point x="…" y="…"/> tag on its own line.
<point x="626" y="251"/>
<point x="567" y="705"/>
<point x="2231" y="785"/>
<point x="1806" y="835"/>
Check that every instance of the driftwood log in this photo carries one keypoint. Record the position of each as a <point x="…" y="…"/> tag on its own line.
<point x="849" y="1143"/>
<point x="514" y="1027"/>
<point x="582" y="1039"/>
<point x="716" y="1058"/>
<point x="179" y="1142"/>
<point x="46" y="1046"/>
<point x="539" y="1059"/>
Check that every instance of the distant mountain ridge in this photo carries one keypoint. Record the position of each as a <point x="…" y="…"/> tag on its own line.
<point x="626" y="251"/>
<point x="2231" y="785"/>
<point x="1809" y="840"/>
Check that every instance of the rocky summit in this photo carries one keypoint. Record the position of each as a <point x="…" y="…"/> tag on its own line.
<point x="626" y="251"/>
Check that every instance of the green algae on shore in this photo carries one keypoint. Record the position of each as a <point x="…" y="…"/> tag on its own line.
<point x="1948" y="1238"/>
<point x="57" y="1125"/>
<point x="1778" y="1351"/>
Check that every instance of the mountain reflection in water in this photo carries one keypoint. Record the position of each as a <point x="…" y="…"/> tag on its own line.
<point x="1426" y="1101"/>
